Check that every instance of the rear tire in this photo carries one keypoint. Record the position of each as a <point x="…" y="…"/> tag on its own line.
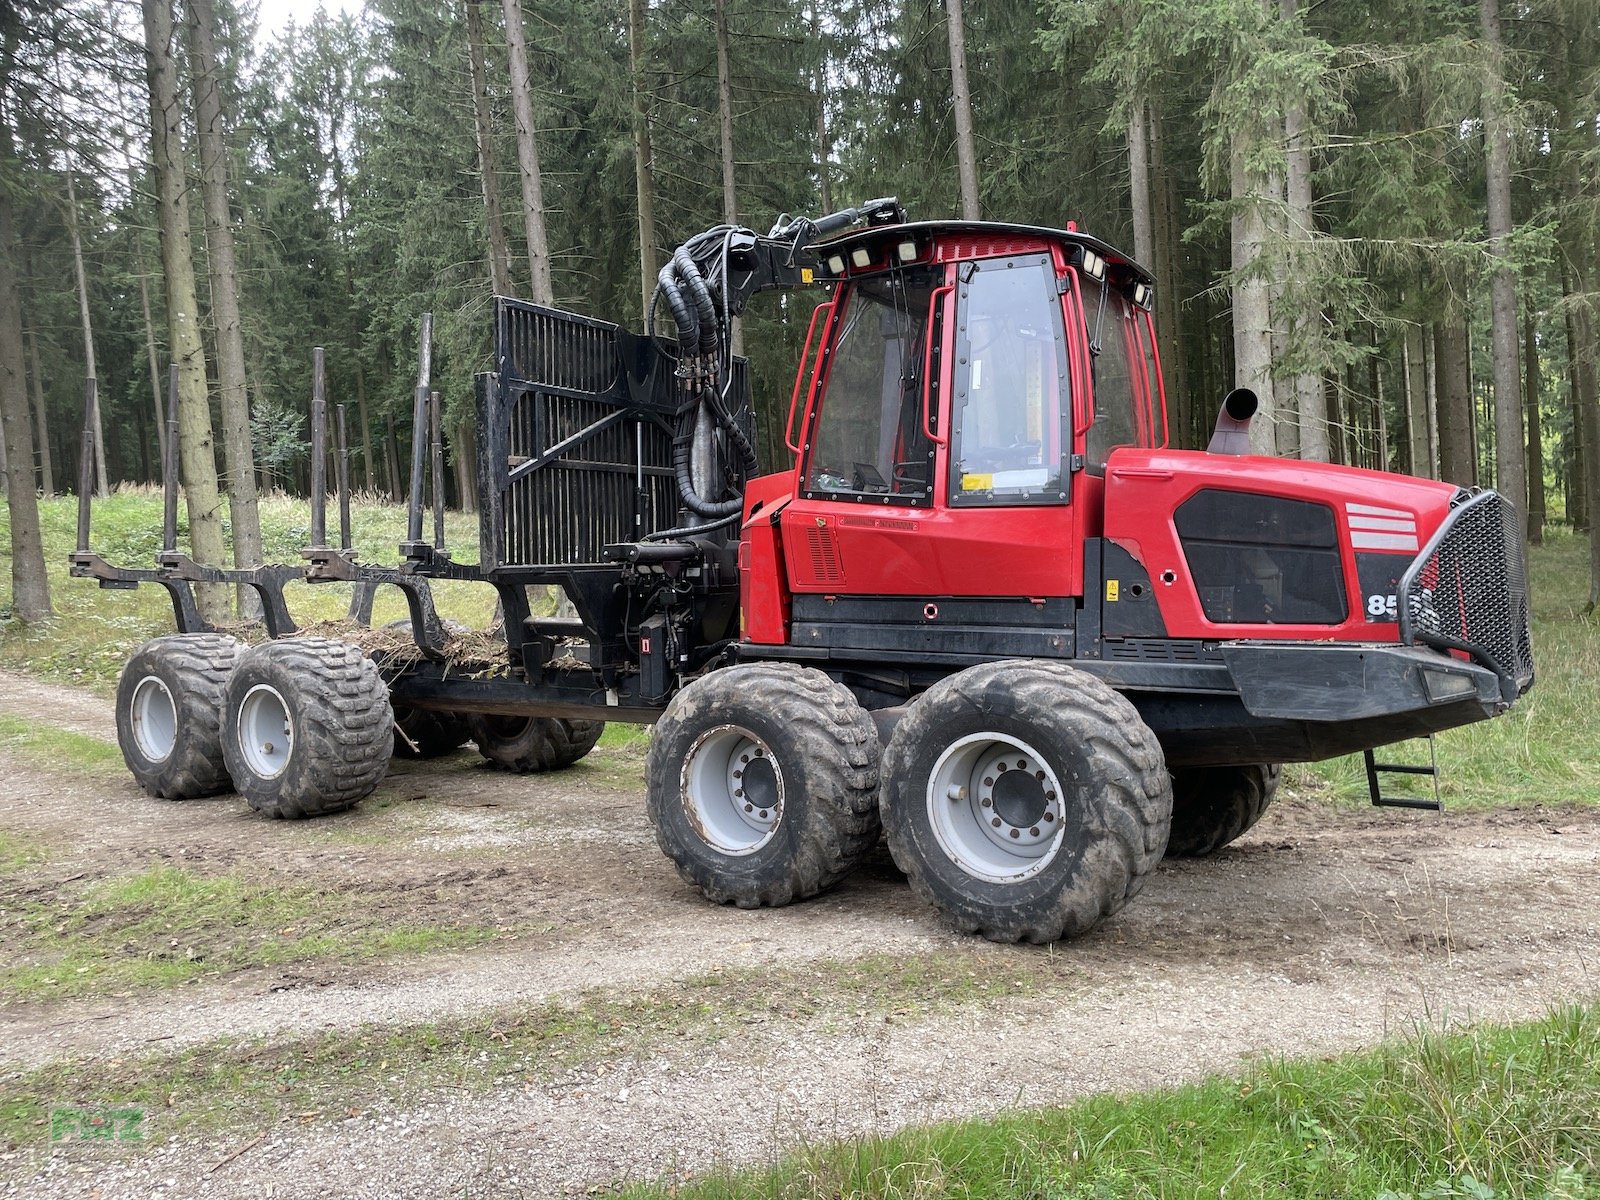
<point x="526" y="744"/>
<point x="308" y="728"/>
<point x="424" y="732"/>
<point x="429" y="733"/>
<point x="1213" y="806"/>
<point x="1026" y="800"/>
<point x="169" y="709"/>
<point x="762" y="784"/>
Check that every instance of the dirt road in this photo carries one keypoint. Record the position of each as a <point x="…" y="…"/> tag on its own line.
<point x="1322" y="930"/>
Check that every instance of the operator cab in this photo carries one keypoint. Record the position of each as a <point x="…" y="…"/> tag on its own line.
<point x="972" y="369"/>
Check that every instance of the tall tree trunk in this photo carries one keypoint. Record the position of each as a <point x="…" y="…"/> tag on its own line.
<point x="1380" y="420"/>
<point x="369" y="471"/>
<point x="391" y="457"/>
<point x="961" y="101"/>
<point x="644" y="182"/>
<point x="1577" y="451"/>
<point x="150" y="353"/>
<point x="1304" y="320"/>
<point x="30" y="586"/>
<point x="499" y="249"/>
<point x="1511" y="468"/>
<point x="1430" y="363"/>
<point x="5" y="461"/>
<point x="730" y="197"/>
<point x="196" y="450"/>
<point x="1458" y="458"/>
<point x="238" y="453"/>
<point x="1419" y="460"/>
<point x="1252" y="322"/>
<point x="47" y="474"/>
<point x="1139" y="183"/>
<point x="1530" y="357"/>
<point x="463" y="450"/>
<point x="101" y="486"/>
<point x="1168" y="312"/>
<point x="824" y="137"/>
<point x="542" y="290"/>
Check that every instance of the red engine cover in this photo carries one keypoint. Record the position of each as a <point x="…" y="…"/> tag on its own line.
<point x="1375" y="514"/>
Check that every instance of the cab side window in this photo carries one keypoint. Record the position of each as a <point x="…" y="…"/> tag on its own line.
<point x="868" y="442"/>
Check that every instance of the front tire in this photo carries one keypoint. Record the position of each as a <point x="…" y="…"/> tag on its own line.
<point x="762" y="784"/>
<point x="169" y="706"/>
<point x="1026" y="800"/>
<point x="528" y="744"/>
<point x="308" y="728"/>
<point x="1213" y="806"/>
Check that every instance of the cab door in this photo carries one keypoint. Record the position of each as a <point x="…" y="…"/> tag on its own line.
<point x="867" y="472"/>
<point x="937" y="462"/>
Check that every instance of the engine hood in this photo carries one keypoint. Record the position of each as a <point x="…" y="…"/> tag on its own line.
<point x="1241" y="546"/>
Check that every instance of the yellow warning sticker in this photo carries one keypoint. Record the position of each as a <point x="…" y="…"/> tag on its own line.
<point x="977" y="483"/>
<point x="1111" y="591"/>
<point x="805" y="275"/>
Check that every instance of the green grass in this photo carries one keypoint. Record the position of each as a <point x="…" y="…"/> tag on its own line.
<point x="1546" y="750"/>
<point x="164" y="926"/>
<point x="95" y="631"/>
<point x="17" y="853"/>
<point x="60" y="749"/>
<point x="1485" y="1114"/>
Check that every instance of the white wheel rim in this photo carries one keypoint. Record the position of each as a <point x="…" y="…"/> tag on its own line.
<point x="732" y="790"/>
<point x="996" y="807"/>
<point x="154" y="716"/>
<point x="266" y="735"/>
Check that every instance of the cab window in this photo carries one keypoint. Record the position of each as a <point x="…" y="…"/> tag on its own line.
<point x="868" y="441"/>
<point x="1010" y="430"/>
<point x="1118" y="362"/>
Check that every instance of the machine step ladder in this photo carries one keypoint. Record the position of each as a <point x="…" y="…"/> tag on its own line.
<point x="1375" y="787"/>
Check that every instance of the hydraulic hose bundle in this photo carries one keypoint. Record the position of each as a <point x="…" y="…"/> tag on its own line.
<point x="705" y="285"/>
<point x="705" y="428"/>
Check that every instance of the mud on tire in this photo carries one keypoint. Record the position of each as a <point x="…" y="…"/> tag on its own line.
<point x="307" y="727"/>
<point x="1213" y="806"/>
<point x="527" y="744"/>
<point x="762" y="784"/>
<point x="169" y="707"/>
<point x="1026" y="800"/>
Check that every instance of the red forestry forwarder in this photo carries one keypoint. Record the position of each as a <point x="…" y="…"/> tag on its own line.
<point x="986" y="611"/>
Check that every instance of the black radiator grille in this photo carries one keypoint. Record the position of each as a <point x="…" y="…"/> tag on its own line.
<point x="1468" y="590"/>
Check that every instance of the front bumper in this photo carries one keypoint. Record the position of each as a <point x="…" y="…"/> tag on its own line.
<point x="1312" y="681"/>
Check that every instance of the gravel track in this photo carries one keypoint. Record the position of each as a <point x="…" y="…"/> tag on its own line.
<point x="1321" y="931"/>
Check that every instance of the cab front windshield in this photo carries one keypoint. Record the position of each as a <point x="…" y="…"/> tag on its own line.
<point x="1009" y="431"/>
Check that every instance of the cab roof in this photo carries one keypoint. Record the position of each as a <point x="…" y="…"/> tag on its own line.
<point x="874" y="237"/>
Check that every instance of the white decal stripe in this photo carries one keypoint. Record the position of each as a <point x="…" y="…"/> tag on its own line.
<point x="1368" y="510"/>
<point x="1383" y="524"/>
<point x="1383" y="541"/>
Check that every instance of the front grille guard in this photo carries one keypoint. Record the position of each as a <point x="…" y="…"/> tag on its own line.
<point x="1468" y="591"/>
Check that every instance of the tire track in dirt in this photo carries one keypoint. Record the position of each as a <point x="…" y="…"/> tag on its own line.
<point x="1322" y="930"/>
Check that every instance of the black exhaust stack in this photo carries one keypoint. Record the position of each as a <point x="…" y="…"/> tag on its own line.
<point x="1232" y="434"/>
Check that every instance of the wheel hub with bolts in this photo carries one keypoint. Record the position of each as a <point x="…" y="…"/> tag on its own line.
<point x="155" y="719"/>
<point x="266" y="735"/>
<point x="732" y="790"/>
<point x="996" y="807"/>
